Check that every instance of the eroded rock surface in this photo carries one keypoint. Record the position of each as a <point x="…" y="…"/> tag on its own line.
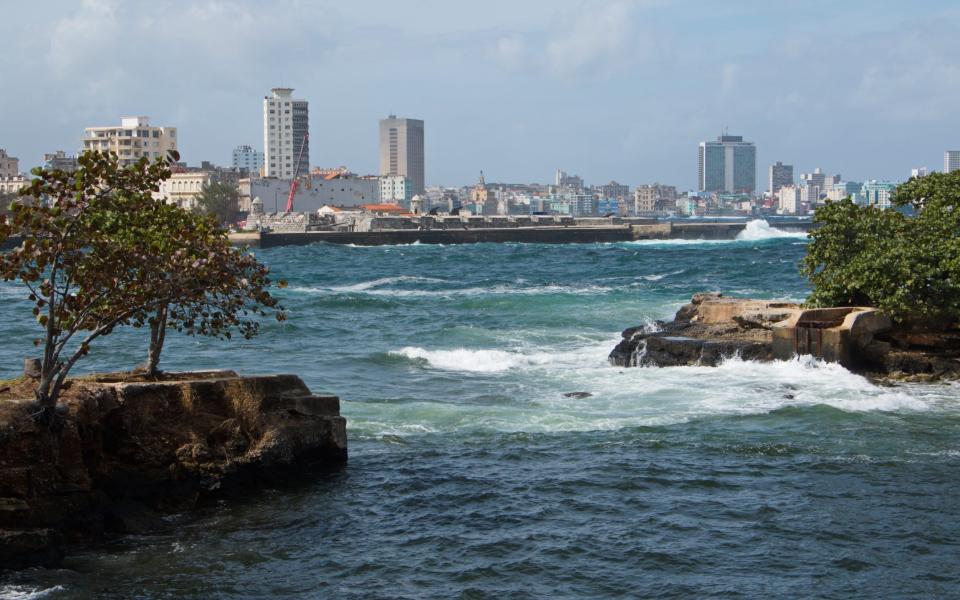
<point x="704" y="332"/>
<point x="129" y="451"/>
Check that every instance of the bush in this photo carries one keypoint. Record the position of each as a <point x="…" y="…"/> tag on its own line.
<point x="909" y="267"/>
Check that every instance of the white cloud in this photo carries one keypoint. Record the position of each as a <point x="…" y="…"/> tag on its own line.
<point x="594" y="39"/>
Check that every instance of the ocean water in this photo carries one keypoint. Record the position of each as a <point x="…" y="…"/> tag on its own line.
<point x="471" y="475"/>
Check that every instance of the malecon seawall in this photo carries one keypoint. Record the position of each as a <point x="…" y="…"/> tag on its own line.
<point x="572" y="234"/>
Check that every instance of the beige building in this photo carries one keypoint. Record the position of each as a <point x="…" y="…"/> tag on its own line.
<point x="9" y="165"/>
<point x="132" y="139"/>
<point x="286" y="127"/>
<point x="182" y="189"/>
<point x="401" y="150"/>
<point x="652" y="198"/>
<point x="12" y="185"/>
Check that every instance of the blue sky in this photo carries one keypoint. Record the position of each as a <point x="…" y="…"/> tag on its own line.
<point x="618" y="90"/>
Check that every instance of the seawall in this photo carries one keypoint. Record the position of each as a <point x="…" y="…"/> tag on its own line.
<point x="572" y="234"/>
<point x="534" y="235"/>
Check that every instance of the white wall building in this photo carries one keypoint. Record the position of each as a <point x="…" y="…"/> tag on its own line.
<point x="132" y="139"/>
<point x="396" y="188"/>
<point x="951" y="161"/>
<point x="286" y="125"/>
<point x="789" y="200"/>
<point x="313" y="193"/>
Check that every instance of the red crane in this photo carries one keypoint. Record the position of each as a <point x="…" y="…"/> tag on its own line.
<point x="296" y="176"/>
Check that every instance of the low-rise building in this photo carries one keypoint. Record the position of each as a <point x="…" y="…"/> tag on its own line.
<point x="247" y="158"/>
<point x="396" y="188"/>
<point x="313" y="192"/>
<point x="790" y="200"/>
<point x="12" y="185"/>
<point x="842" y="189"/>
<point x="60" y="161"/>
<point x="876" y="193"/>
<point x="133" y="139"/>
<point x="653" y="198"/>
<point x="9" y="165"/>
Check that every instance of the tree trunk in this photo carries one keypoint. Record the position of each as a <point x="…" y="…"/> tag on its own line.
<point x="158" y="331"/>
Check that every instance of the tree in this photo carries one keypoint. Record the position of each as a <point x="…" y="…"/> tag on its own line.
<point x="907" y="266"/>
<point x="77" y="260"/>
<point x="221" y="200"/>
<point x="203" y="285"/>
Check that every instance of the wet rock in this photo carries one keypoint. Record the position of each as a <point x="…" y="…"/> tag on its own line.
<point x="130" y="451"/>
<point x="577" y="395"/>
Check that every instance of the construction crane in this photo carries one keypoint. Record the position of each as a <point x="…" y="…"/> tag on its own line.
<point x="296" y="176"/>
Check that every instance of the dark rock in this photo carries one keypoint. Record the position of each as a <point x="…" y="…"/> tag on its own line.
<point x="28" y="547"/>
<point x="577" y="395"/>
<point x="129" y="516"/>
<point x="127" y="452"/>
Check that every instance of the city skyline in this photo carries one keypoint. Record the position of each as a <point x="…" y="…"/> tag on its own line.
<point x="576" y="80"/>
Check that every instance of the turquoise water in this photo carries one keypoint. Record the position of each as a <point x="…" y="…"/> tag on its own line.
<point x="472" y="476"/>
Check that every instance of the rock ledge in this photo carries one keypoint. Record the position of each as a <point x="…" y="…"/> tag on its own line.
<point x="131" y="450"/>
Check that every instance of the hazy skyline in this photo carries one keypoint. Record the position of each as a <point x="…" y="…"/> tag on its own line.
<point x="607" y="90"/>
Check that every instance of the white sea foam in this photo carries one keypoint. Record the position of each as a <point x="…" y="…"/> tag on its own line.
<point x="629" y="397"/>
<point x="759" y="229"/>
<point x="379" y="288"/>
<point x="21" y="592"/>
<point x="473" y="361"/>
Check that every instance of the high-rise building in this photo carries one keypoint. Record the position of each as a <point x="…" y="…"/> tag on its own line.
<point x="951" y="161"/>
<point x="919" y="172"/>
<point x="247" y="158"/>
<point x="401" y="150"/>
<point x="9" y="165"/>
<point x="727" y="165"/>
<point x="133" y="139"/>
<point x="286" y="127"/>
<point x="780" y="175"/>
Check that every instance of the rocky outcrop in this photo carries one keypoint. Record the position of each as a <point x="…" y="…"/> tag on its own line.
<point x="711" y="328"/>
<point x="704" y="332"/>
<point x="128" y="451"/>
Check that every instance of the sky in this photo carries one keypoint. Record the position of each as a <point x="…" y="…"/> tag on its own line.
<point x="610" y="90"/>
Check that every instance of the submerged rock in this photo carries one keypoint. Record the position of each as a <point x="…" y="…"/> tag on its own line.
<point x="129" y="451"/>
<point x="577" y="395"/>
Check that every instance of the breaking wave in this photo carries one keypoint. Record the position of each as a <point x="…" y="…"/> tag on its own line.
<point x="759" y="229"/>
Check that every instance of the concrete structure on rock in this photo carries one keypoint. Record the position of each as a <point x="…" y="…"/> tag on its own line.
<point x="727" y="165"/>
<point x="132" y="140"/>
<point x="402" y="150"/>
<point x="286" y="126"/>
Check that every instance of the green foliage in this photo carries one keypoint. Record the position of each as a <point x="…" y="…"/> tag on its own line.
<point x="907" y="266"/>
<point x="100" y="252"/>
<point x="221" y="200"/>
